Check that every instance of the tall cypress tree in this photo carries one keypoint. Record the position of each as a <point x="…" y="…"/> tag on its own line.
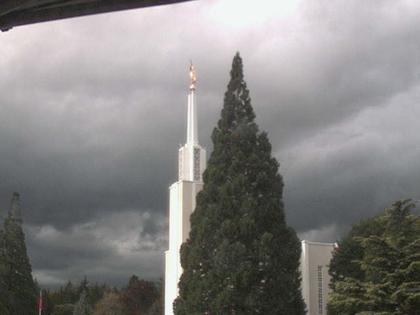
<point x="241" y="257"/>
<point x="18" y="276"/>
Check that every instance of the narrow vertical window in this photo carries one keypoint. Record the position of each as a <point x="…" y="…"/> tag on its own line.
<point x="196" y="164"/>
<point x="320" y="293"/>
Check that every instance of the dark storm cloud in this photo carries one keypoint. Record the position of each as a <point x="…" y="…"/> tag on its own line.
<point x="92" y="111"/>
<point x="107" y="248"/>
<point x="334" y="63"/>
<point x="355" y="169"/>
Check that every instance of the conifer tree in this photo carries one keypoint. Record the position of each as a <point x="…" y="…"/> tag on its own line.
<point x="376" y="269"/>
<point x="68" y="294"/>
<point x="241" y="257"/>
<point x="110" y="304"/>
<point x="139" y="296"/>
<point x="63" y="309"/>
<point x="22" y="293"/>
<point x="82" y="306"/>
<point x="4" y="296"/>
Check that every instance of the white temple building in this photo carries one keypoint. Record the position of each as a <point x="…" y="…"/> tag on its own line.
<point x="191" y="164"/>
<point x="314" y="266"/>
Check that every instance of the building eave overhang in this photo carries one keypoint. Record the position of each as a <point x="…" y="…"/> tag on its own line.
<point x="22" y="12"/>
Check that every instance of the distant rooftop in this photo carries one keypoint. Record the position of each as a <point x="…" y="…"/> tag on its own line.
<point x="22" y="12"/>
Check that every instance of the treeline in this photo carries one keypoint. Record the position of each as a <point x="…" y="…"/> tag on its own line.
<point x="19" y="291"/>
<point x="138" y="297"/>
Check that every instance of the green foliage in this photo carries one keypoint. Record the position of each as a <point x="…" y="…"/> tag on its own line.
<point x="82" y="306"/>
<point x="157" y="307"/>
<point x="110" y="304"/>
<point x="96" y="292"/>
<point x="376" y="269"/>
<point x="83" y="286"/>
<point x="69" y="294"/>
<point x="139" y="296"/>
<point x="63" y="309"/>
<point x="346" y="262"/>
<point x="48" y="306"/>
<point x="4" y="296"/>
<point x="18" y="291"/>
<point x="22" y="293"/>
<point x="241" y="257"/>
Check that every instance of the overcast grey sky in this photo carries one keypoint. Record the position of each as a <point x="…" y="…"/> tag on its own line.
<point x="93" y="109"/>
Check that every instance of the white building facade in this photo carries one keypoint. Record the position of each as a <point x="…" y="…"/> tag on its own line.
<point x="191" y="164"/>
<point x="314" y="265"/>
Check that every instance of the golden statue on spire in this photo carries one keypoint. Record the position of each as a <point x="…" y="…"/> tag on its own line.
<point x="193" y="77"/>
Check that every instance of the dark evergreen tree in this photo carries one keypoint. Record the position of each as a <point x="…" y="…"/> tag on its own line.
<point x="19" y="282"/>
<point x="68" y="294"/>
<point x="139" y="296"/>
<point x="241" y="257"/>
<point x="95" y="293"/>
<point x="157" y="307"/>
<point x="82" y="306"/>
<point x="63" y="309"/>
<point x="376" y="269"/>
<point x="48" y="306"/>
<point x="63" y="299"/>
<point x="4" y="293"/>
<point x="110" y="304"/>
<point x="83" y="287"/>
<point x="346" y="262"/>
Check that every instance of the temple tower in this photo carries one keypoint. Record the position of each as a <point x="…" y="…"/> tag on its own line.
<point x="191" y="164"/>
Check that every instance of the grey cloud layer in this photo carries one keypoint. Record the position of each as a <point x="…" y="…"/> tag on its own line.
<point x="107" y="248"/>
<point x="92" y="111"/>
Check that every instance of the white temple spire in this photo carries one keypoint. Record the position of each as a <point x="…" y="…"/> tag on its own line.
<point x="192" y="134"/>
<point x="182" y="193"/>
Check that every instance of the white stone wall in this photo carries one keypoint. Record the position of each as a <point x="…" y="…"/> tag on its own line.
<point x="182" y="203"/>
<point x="314" y="265"/>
